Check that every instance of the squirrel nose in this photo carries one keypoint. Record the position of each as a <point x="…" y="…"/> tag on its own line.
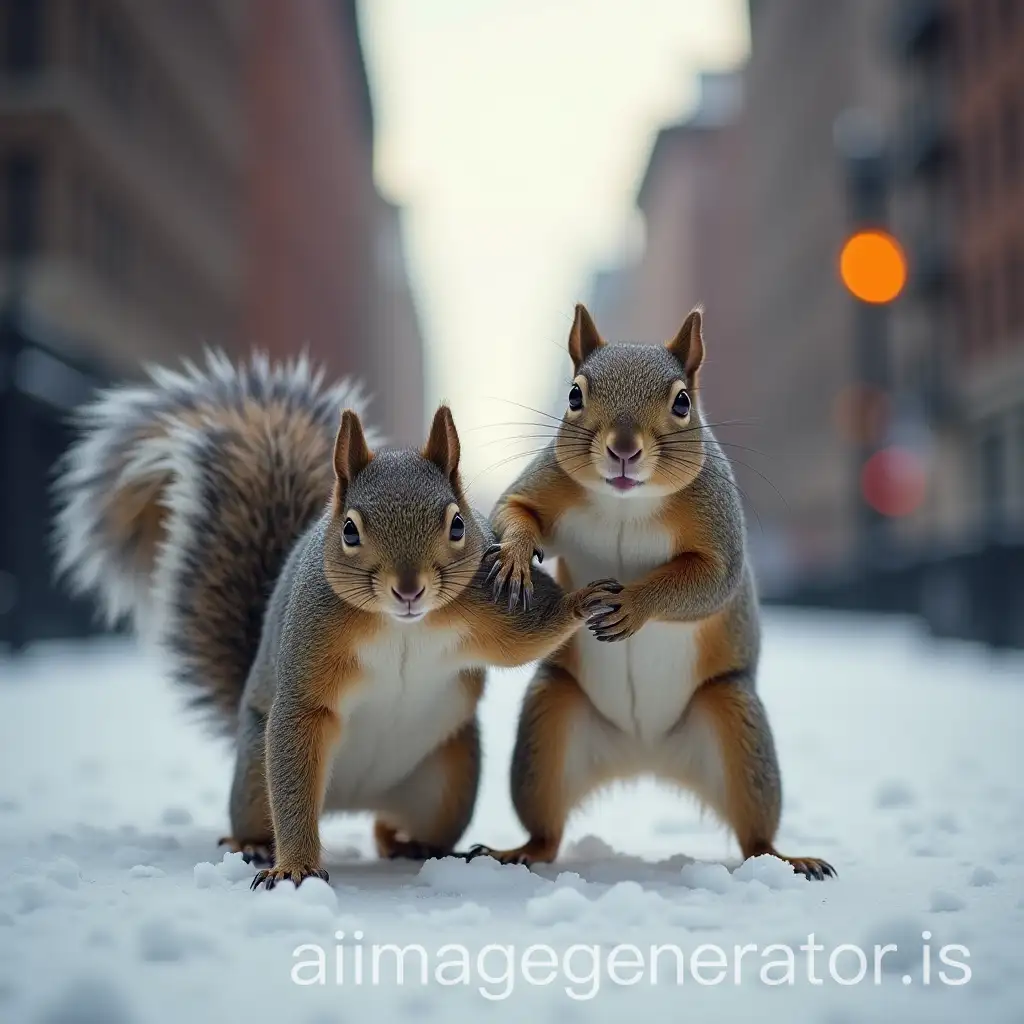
<point x="408" y="593"/>
<point x="625" y="450"/>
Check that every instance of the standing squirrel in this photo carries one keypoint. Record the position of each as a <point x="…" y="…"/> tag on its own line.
<point x="634" y="486"/>
<point x="334" y="612"/>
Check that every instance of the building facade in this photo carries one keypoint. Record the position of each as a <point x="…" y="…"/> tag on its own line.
<point x="122" y="152"/>
<point x="892" y="473"/>
<point x="175" y="176"/>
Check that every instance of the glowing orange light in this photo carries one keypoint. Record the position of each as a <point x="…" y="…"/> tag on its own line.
<point x="894" y="482"/>
<point x="873" y="267"/>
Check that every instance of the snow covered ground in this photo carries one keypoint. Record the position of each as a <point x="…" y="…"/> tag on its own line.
<point x="901" y="760"/>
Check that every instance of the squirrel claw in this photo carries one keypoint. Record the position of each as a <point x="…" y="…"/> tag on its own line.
<point x="502" y="857"/>
<point x="517" y="589"/>
<point x="269" y="877"/>
<point x="514" y="574"/>
<point x="812" y="867"/>
<point x="608" y="625"/>
<point x="593" y="599"/>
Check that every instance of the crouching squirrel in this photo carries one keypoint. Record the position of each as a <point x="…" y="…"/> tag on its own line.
<point x="329" y="603"/>
<point x="633" y="485"/>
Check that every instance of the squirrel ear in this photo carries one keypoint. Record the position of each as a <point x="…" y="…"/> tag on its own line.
<point x="351" y="455"/>
<point x="688" y="345"/>
<point x="442" y="447"/>
<point x="584" y="337"/>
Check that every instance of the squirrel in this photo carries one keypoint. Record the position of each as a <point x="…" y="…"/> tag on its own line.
<point x="330" y="603"/>
<point x="633" y="485"/>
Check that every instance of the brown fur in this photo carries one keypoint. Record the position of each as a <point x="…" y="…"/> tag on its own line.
<point x="455" y="766"/>
<point x="276" y="467"/>
<point x="135" y="514"/>
<point x="301" y="761"/>
<point x="551" y="624"/>
<point x="522" y="520"/>
<point x="542" y="801"/>
<point x="751" y="808"/>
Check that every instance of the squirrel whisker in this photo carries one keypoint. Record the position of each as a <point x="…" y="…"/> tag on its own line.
<point x="737" y="462"/>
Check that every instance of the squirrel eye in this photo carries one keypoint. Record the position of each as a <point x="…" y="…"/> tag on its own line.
<point x="681" y="406"/>
<point x="350" y="533"/>
<point x="458" y="528"/>
<point x="575" y="398"/>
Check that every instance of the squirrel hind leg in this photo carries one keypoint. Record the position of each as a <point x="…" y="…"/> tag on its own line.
<point x="426" y="814"/>
<point x="725" y="753"/>
<point x="560" y="757"/>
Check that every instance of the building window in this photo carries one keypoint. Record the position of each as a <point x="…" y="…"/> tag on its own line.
<point x="23" y="35"/>
<point x="982" y="166"/>
<point x="1013" y="140"/>
<point x="993" y="479"/>
<point x="1013" y="288"/>
<point x="112" y="242"/>
<point x="108" y="55"/>
<point x="984" y="310"/>
<point x="1009" y="15"/>
<point x="978" y="26"/>
<point x="21" y="205"/>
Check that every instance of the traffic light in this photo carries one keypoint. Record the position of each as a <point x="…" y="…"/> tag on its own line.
<point x="872" y="266"/>
<point x="886" y="480"/>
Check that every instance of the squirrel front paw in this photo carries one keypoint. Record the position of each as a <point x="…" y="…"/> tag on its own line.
<point x="269" y="877"/>
<point x="512" y="564"/>
<point x="619" y="619"/>
<point x="595" y="597"/>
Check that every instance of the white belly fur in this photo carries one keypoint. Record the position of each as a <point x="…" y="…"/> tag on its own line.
<point x="407" y="702"/>
<point x="642" y="684"/>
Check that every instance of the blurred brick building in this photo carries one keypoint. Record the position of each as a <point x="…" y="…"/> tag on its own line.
<point x="175" y="175"/>
<point x="693" y="201"/>
<point x="749" y="215"/>
<point x="958" y="196"/>
<point x="692" y="205"/>
<point x="983" y="54"/>
<point x="122" y="151"/>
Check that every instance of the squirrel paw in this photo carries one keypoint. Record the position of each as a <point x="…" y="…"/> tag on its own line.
<point x="269" y="877"/>
<point x="532" y="852"/>
<point x="619" y="619"/>
<point x="596" y="597"/>
<point x="252" y="853"/>
<point x="810" y="867"/>
<point x="512" y="566"/>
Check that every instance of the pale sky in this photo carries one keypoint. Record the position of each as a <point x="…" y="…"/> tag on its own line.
<point x="515" y="134"/>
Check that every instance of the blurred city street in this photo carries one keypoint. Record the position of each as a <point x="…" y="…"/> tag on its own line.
<point x="900" y="761"/>
<point x="416" y="196"/>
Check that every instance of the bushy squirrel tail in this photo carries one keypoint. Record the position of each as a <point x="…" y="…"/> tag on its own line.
<point x="180" y="499"/>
